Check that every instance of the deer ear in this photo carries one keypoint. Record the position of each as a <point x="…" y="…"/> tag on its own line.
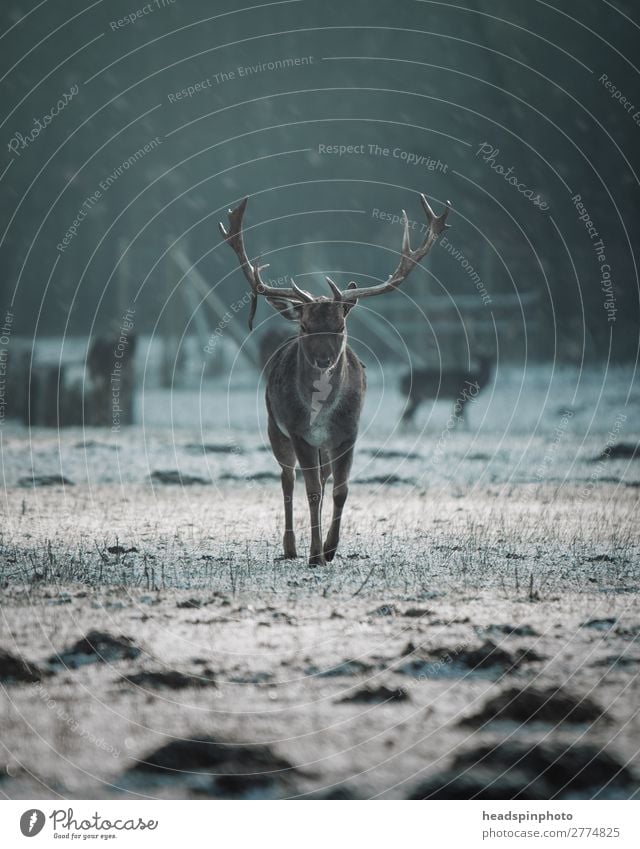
<point x="287" y="309"/>
<point x="349" y="305"/>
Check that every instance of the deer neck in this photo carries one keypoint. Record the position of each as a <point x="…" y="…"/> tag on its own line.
<point x="311" y="380"/>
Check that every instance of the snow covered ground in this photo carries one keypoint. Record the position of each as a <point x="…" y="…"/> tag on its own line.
<point x="482" y="610"/>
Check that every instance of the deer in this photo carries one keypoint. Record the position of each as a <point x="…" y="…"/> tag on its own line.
<point x="457" y="385"/>
<point x="315" y="383"/>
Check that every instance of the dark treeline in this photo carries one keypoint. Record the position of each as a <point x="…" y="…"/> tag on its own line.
<point x="332" y="115"/>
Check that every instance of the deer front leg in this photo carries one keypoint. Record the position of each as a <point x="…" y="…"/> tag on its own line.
<point x="286" y="456"/>
<point x="341" y="466"/>
<point x="287" y="479"/>
<point x="410" y="409"/>
<point x="309" y="458"/>
<point x="458" y="413"/>
<point x="325" y="470"/>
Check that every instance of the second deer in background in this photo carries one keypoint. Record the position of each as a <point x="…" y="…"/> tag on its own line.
<point x="457" y="385"/>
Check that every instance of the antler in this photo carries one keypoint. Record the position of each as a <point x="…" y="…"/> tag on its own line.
<point x="234" y="238"/>
<point x="408" y="259"/>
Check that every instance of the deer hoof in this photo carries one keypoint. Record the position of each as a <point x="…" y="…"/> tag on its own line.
<point x="329" y="554"/>
<point x="289" y="546"/>
<point x="317" y="560"/>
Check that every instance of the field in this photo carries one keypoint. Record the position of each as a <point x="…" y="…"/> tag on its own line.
<point x="477" y="634"/>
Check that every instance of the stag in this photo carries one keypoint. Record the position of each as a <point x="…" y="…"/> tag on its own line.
<point x="316" y="384"/>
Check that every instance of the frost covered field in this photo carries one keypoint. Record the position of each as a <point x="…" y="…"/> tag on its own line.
<point x="477" y="634"/>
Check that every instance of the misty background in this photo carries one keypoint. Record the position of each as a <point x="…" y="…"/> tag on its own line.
<point x="332" y="117"/>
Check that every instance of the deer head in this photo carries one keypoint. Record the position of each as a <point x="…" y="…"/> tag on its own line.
<point x="321" y="327"/>
<point x="322" y="320"/>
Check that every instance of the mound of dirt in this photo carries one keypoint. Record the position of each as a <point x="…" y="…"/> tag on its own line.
<point x="216" y="769"/>
<point x="346" y="668"/>
<point x="44" y="480"/>
<point x="530" y="704"/>
<point x="17" y="670"/>
<point x="387" y="480"/>
<point x="619" y="451"/>
<point x="520" y="770"/>
<point x="252" y="678"/>
<point x="600" y="624"/>
<point x="620" y="660"/>
<point x="170" y="679"/>
<point x="212" y="448"/>
<point x="383" y="610"/>
<point x="512" y="630"/>
<point x="256" y="476"/>
<point x="416" y="612"/>
<point x="487" y="659"/>
<point x="194" y="603"/>
<point x="175" y="477"/>
<point x="489" y="655"/>
<point x="336" y="794"/>
<point x="391" y="454"/>
<point x="375" y="696"/>
<point x="479" y="784"/>
<point x="96" y="647"/>
<point x="628" y="632"/>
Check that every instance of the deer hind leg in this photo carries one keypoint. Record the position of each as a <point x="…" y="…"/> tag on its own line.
<point x="411" y="406"/>
<point x="286" y="457"/>
<point x="457" y="412"/>
<point x="309" y="459"/>
<point x="463" y="419"/>
<point x="340" y="467"/>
